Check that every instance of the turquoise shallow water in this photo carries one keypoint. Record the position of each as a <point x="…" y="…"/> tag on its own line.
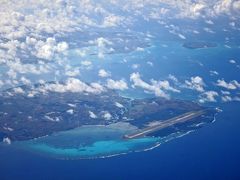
<point x="97" y="149"/>
<point x="90" y="142"/>
<point x="97" y="141"/>
<point x="208" y="153"/>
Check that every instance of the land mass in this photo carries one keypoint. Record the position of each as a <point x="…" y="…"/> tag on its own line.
<point x="165" y="124"/>
<point x="25" y="117"/>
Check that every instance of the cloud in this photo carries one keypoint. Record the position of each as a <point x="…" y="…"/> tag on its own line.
<point x="24" y="80"/>
<point x="164" y="85"/>
<point x="46" y="50"/>
<point x="74" y="85"/>
<point x="24" y="68"/>
<point x="139" y="49"/>
<point x="232" y="85"/>
<point x="62" y="47"/>
<point x="106" y="115"/>
<point x="232" y="61"/>
<point x="173" y="78"/>
<point x="103" y="73"/>
<point x="226" y="98"/>
<point x="71" y="72"/>
<point x="209" y="22"/>
<point x="112" y="20"/>
<point x="86" y="63"/>
<point x="223" y="6"/>
<point x="92" y="115"/>
<point x="208" y="30"/>
<point x="181" y="36"/>
<point x="18" y="90"/>
<point x="194" y="10"/>
<point x="119" y="105"/>
<point x="34" y="33"/>
<point x="102" y="44"/>
<point x="150" y="63"/>
<point x="138" y="82"/>
<point x="214" y="73"/>
<point x="117" y="85"/>
<point x="54" y="119"/>
<point x="236" y="5"/>
<point x="195" y="83"/>
<point x="208" y="96"/>
<point x="135" y="66"/>
<point x="156" y="87"/>
<point x="70" y="111"/>
<point x="7" y="140"/>
<point x="225" y="92"/>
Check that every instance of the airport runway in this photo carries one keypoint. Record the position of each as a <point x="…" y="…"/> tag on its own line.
<point x="164" y="124"/>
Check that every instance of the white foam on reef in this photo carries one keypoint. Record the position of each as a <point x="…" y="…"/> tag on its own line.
<point x="151" y="148"/>
<point x="110" y="148"/>
<point x="96" y="150"/>
<point x="198" y="125"/>
<point x="40" y="137"/>
<point x="167" y="139"/>
<point x="214" y="119"/>
<point x="128" y="147"/>
<point x="99" y="147"/>
<point x="184" y="134"/>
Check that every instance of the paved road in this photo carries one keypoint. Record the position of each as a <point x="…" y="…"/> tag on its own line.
<point x="164" y="124"/>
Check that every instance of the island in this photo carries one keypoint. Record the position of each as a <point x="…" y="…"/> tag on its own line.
<point x="25" y="117"/>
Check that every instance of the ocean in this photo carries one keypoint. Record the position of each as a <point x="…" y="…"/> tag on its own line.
<point x="211" y="152"/>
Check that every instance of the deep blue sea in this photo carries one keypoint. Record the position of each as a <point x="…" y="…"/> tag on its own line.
<point x="211" y="152"/>
<point x="208" y="153"/>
